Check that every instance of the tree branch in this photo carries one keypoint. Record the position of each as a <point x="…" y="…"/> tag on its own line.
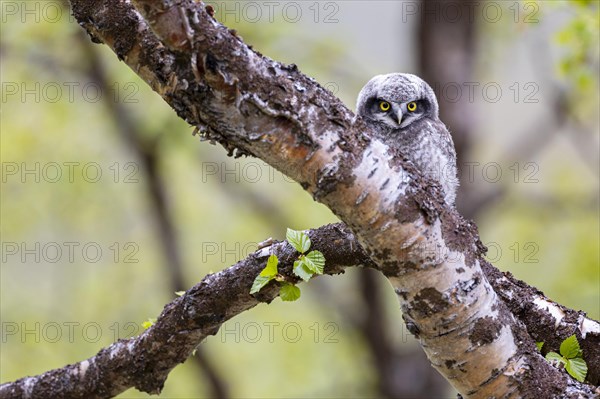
<point x="401" y="373"/>
<point x="144" y="362"/>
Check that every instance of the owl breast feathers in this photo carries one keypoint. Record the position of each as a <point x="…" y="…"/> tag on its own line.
<point x="402" y="110"/>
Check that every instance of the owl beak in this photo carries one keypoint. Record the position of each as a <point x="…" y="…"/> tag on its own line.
<point x="400" y="116"/>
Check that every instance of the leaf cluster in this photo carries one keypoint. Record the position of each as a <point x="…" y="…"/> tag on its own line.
<point x="570" y="357"/>
<point x="307" y="265"/>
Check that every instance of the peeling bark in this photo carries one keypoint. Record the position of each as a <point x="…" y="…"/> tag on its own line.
<point x="253" y="105"/>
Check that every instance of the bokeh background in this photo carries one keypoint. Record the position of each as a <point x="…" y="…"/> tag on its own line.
<point x="109" y="204"/>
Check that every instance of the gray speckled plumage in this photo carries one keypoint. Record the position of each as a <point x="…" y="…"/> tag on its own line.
<point x="419" y="135"/>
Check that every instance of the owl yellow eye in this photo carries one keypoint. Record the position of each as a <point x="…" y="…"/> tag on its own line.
<point x="384" y="106"/>
<point x="412" y="106"/>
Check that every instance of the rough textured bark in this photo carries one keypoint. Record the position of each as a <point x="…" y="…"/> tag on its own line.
<point x="401" y="373"/>
<point x="225" y="294"/>
<point x="253" y="105"/>
<point x="145" y="361"/>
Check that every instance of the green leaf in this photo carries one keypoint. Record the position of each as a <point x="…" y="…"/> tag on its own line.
<point x="271" y="268"/>
<point x="539" y="345"/>
<point x="553" y="356"/>
<point x="298" y="240"/>
<point x="259" y="282"/>
<point x="301" y="270"/>
<point x="289" y="292"/>
<point x="150" y="322"/>
<point x="267" y="274"/>
<point x="577" y="368"/>
<point x="569" y="348"/>
<point x="315" y="261"/>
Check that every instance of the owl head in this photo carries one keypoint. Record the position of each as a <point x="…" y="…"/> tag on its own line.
<point x="397" y="100"/>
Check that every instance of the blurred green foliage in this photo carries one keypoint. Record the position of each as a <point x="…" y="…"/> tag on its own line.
<point x="580" y="38"/>
<point x="221" y="208"/>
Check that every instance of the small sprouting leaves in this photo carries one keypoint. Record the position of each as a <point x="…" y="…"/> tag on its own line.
<point x="577" y="368"/>
<point x="569" y="348"/>
<point x="148" y="323"/>
<point x="571" y="357"/>
<point x="267" y="274"/>
<point x="315" y="261"/>
<point x="298" y="239"/>
<point x="271" y="268"/>
<point x="539" y="346"/>
<point x="289" y="292"/>
<point x="259" y="282"/>
<point x="301" y="270"/>
<point x="554" y="357"/>
<point x="304" y="267"/>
